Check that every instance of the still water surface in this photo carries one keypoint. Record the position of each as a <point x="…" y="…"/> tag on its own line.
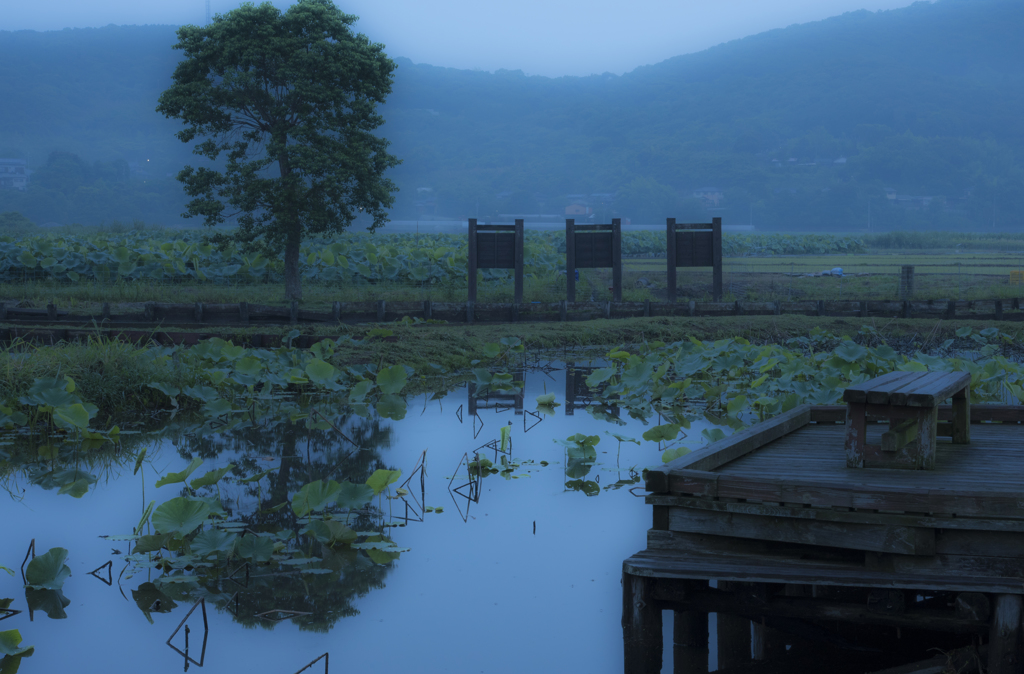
<point x="527" y="579"/>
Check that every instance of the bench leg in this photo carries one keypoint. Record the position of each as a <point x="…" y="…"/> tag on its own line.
<point x="927" y="431"/>
<point x="1004" y="641"/>
<point x="690" y="642"/>
<point x="641" y="626"/>
<point x="962" y="417"/>
<point x="856" y="435"/>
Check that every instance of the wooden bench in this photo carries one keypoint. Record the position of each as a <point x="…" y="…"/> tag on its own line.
<point x="909" y="401"/>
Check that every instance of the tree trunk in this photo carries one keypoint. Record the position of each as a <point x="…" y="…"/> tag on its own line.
<point x="289" y="218"/>
<point x="292" y="276"/>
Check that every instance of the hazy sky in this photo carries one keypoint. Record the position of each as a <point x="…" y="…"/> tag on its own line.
<point x="540" y="37"/>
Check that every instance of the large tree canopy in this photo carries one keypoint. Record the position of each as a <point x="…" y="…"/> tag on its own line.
<point x="295" y="88"/>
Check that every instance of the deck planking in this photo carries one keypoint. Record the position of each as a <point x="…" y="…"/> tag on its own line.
<point x="992" y="461"/>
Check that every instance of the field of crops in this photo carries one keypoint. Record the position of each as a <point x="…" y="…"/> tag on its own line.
<point x="169" y="257"/>
<point x="73" y="270"/>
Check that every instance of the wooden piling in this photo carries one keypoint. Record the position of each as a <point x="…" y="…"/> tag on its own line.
<point x="1004" y="641"/>
<point x="641" y="626"/>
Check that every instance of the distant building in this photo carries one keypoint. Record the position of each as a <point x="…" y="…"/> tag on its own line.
<point x="908" y="201"/>
<point x="14" y="174"/>
<point x="578" y="209"/>
<point x="711" y="196"/>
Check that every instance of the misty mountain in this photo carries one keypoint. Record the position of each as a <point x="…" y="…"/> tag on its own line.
<point x="912" y="114"/>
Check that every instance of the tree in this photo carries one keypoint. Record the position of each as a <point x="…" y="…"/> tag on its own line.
<point x="295" y="88"/>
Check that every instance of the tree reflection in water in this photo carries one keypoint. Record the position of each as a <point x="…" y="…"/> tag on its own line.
<point x="314" y="599"/>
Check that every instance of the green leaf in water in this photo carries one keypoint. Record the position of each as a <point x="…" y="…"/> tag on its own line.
<point x="213" y="542"/>
<point x="212" y="477"/>
<point x="663" y="433"/>
<point x="48" y="571"/>
<point x="354" y="496"/>
<point x="180" y="516"/>
<point x="381" y="478"/>
<point x="255" y="548"/>
<point x="180" y="476"/>
<point x="391" y="380"/>
<point x="392" y="407"/>
<point x="315" y="496"/>
<point x="9" y="644"/>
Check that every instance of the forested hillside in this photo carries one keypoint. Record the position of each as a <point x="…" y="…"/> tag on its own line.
<point x="800" y="128"/>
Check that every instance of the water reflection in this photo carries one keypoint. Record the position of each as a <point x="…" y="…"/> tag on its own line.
<point x="489" y="485"/>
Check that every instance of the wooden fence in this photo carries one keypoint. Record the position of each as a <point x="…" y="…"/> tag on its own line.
<point x="157" y="316"/>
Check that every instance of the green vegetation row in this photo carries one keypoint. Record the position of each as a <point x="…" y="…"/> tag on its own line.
<point x="349" y="259"/>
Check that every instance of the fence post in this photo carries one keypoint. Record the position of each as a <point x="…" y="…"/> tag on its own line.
<point x="199" y="312"/>
<point x="670" y="255"/>
<point x="243" y="312"/>
<point x="907" y="282"/>
<point x="294" y="312"/>
<point x="617" y="259"/>
<point x="336" y="312"/>
<point x="519" y="262"/>
<point x="472" y="261"/>
<point x="570" y="260"/>
<point x="716" y="253"/>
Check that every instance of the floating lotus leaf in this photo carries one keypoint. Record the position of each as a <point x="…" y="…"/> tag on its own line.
<point x="315" y="496"/>
<point x="180" y="476"/>
<point x="255" y="548"/>
<point x="354" y="496"/>
<point x="48" y="571"/>
<point x="212" y="477"/>
<point x="381" y="478"/>
<point x="180" y="516"/>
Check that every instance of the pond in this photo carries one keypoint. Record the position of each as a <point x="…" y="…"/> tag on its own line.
<point x="514" y="570"/>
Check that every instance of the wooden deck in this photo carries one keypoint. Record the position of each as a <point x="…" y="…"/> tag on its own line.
<point x="776" y="516"/>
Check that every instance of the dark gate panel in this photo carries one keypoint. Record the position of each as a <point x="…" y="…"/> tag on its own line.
<point x="594" y="250"/>
<point x="694" y="245"/>
<point x="495" y="247"/>
<point x="695" y="249"/>
<point x="593" y="247"/>
<point x="495" y="250"/>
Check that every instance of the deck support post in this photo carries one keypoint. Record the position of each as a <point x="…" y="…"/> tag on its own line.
<point x="765" y="643"/>
<point x="641" y="626"/>
<point x="690" y="636"/>
<point x="1004" y="641"/>
<point x="733" y="634"/>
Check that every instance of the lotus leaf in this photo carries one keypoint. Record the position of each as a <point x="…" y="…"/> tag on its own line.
<point x="180" y="476"/>
<point x="180" y="516"/>
<point x="381" y="478"/>
<point x="48" y="571"/>
<point x="9" y="644"/>
<point x="50" y="602"/>
<point x="212" y="477"/>
<point x="391" y="380"/>
<point x="315" y="496"/>
<point x="354" y="496"/>
<point x="391" y="407"/>
<point x="213" y="542"/>
<point x="257" y="548"/>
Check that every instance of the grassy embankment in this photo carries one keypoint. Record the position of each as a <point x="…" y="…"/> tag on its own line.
<point x="116" y="375"/>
